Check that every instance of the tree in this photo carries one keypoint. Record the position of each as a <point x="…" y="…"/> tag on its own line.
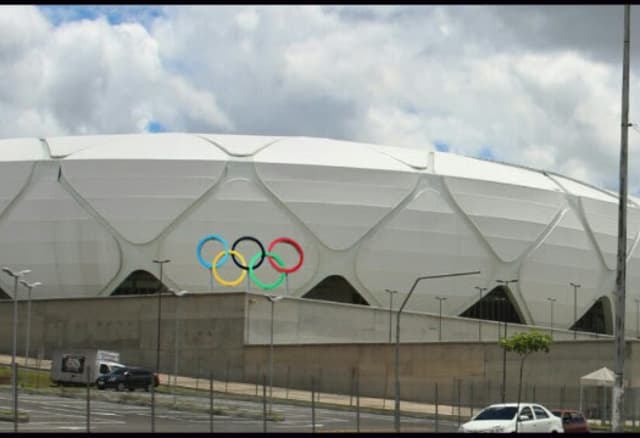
<point x="524" y="344"/>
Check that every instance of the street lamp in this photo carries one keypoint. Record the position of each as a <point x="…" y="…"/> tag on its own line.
<point x="14" y="375"/>
<point x="480" y="290"/>
<point x="504" y="351"/>
<point x="575" y="309"/>
<point x="391" y="294"/>
<point x="153" y="392"/>
<point x="637" y="312"/>
<point x="175" y="364"/>
<point x="551" y="302"/>
<point x="29" y="286"/>
<point x="397" y="349"/>
<point x="273" y="299"/>
<point x="440" y="299"/>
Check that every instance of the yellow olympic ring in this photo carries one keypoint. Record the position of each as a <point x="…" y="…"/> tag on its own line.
<point x="214" y="268"/>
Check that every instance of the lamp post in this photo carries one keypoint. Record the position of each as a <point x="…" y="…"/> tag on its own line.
<point x="153" y="392"/>
<point x="29" y="286"/>
<point x="480" y="290"/>
<point x="637" y="321"/>
<point x="575" y="309"/>
<point x="551" y="302"/>
<point x="440" y="299"/>
<point x="14" y="375"/>
<point x="273" y="299"/>
<point x="391" y="294"/>
<point x="397" y="349"/>
<point x="506" y="284"/>
<point x="175" y="363"/>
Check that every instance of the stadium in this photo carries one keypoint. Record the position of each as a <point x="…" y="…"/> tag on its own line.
<point x="90" y="214"/>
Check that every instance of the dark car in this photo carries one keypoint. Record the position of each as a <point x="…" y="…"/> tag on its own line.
<point x="572" y="421"/>
<point x="128" y="378"/>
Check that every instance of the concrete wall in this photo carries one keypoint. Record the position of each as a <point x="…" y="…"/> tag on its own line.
<point x="228" y="334"/>
<point x="210" y="336"/>
<point x="299" y="321"/>
<point x="555" y="375"/>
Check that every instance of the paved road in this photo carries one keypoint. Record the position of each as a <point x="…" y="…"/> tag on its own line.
<point x="56" y="414"/>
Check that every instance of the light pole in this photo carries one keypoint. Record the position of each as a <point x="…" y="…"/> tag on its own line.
<point x="153" y="392"/>
<point x="175" y="363"/>
<point x="29" y="286"/>
<point x="575" y="309"/>
<point x="391" y="294"/>
<point x="273" y="299"/>
<point x="397" y="349"/>
<point x="440" y="299"/>
<point x="637" y="312"/>
<point x="506" y="284"/>
<point x="14" y="374"/>
<point x="480" y="290"/>
<point x="551" y="302"/>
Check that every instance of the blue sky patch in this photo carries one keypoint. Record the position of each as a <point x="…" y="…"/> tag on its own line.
<point x="441" y="146"/>
<point x="154" y="126"/>
<point x="115" y="14"/>
<point x="486" y="153"/>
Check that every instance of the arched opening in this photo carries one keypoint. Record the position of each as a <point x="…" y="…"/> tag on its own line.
<point x="497" y="305"/>
<point x="4" y="295"/>
<point x="336" y="288"/>
<point x="597" y="319"/>
<point x="139" y="283"/>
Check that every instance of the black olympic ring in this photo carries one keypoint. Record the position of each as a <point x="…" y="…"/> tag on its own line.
<point x="257" y="242"/>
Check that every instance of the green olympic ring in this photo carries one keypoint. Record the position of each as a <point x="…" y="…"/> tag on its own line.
<point x="266" y="286"/>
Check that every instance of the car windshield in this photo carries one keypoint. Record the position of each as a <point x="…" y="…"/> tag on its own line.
<point x="118" y="371"/>
<point x="497" y="413"/>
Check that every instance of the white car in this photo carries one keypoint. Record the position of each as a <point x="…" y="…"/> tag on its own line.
<point x="501" y="418"/>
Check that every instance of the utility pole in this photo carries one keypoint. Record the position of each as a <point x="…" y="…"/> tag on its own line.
<point x="617" y="405"/>
<point x="575" y="308"/>
<point x="480" y="290"/>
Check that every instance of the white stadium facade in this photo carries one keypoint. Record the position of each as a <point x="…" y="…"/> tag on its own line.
<point x="90" y="214"/>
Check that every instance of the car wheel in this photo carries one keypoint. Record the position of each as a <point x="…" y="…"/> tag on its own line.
<point x="131" y="389"/>
<point x="120" y="387"/>
<point x="147" y="388"/>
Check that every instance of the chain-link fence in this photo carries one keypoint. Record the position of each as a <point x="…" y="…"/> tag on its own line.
<point x="210" y="402"/>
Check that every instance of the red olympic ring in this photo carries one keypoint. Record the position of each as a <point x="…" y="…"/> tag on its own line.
<point x="295" y="246"/>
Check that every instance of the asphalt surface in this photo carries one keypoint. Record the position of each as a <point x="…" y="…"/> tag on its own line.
<point x="59" y="414"/>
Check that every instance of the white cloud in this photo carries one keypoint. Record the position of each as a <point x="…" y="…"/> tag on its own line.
<point x="473" y="77"/>
<point x="88" y="76"/>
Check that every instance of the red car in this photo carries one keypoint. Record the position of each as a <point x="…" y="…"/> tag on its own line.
<point x="572" y="421"/>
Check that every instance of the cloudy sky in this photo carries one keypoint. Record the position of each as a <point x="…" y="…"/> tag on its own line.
<point x="532" y="85"/>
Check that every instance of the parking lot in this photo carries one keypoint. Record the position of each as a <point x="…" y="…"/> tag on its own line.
<point x="58" y="414"/>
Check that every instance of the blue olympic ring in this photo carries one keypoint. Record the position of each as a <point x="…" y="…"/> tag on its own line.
<point x="205" y="264"/>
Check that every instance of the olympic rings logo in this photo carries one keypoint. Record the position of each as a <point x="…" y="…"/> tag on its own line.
<point x="254" y="263"/>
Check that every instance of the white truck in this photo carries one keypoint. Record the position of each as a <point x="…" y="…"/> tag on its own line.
<point x="74" y="366"/>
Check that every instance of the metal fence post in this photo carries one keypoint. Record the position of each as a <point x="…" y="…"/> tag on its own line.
<point x="226" y="378"/>
<point x="264" y="403"/>
<point x="436" y="397"/>
<point x="313" y="405"/>
<point x="353" y="380"/>
<point x="88" y="399"/>
<point x="534" y="394"/>
<point x="210" y="401"/>
<point x="488" y="393"/>
<point x="257" y="378"/>
<point x="562" y="396"/>
<point x="471" y="399"/>
<point x="459" y="401"/>
<point x="633" y="408"/>
<point x="358" y="402"/>
<point x="286" y="394"/>
<point x="319" y="385"/>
